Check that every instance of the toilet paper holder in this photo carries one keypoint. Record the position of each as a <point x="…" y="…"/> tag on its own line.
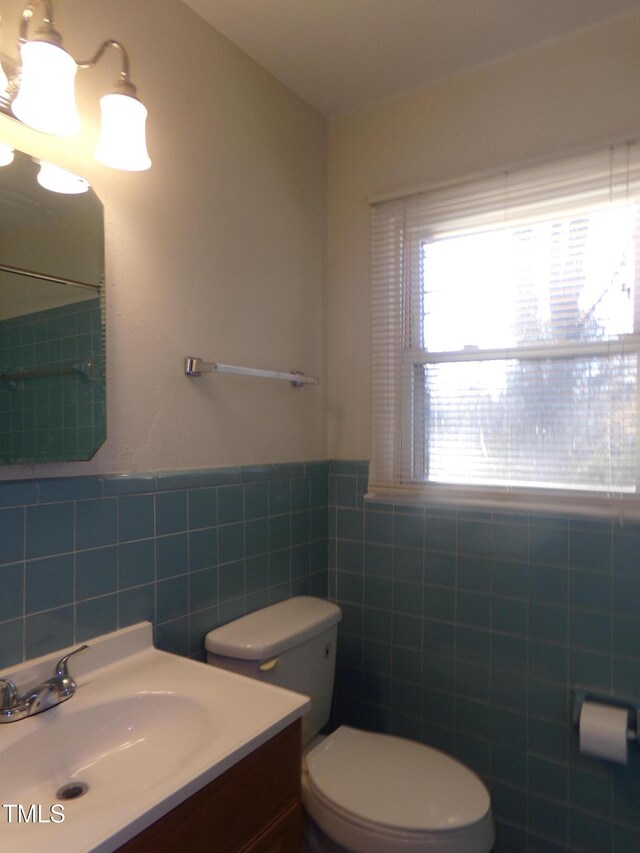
<point x="582" y="696"/>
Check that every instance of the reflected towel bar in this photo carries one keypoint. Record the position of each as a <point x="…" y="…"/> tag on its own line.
<point x="196" y="366"/>
<point x="83" y="368"/>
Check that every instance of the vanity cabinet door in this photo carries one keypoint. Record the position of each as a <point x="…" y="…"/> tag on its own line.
<point x="284" y="835"/>
<point x="254" y="807"/>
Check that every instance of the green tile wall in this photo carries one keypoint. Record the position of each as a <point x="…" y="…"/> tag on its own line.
<point x="82" y="556"/>
<point x="54" y="418"/>
<point x="470" y="631"/>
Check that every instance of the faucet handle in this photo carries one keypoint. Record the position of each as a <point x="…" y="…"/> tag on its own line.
<point x="62" y="671"/>
<point x="9" y="694"/>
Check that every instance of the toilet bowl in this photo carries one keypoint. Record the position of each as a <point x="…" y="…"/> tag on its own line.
<point x="363" y="792"/>
<point x="374" y="793"/>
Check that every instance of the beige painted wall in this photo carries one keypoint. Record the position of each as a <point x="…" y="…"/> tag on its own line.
<point x="567" y="94"/>
<point x="218" y="251"/>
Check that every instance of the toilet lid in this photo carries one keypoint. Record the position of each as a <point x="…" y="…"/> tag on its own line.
<point x="397" y="783"/>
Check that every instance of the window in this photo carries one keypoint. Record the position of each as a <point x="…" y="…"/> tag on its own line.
<point x="506" y="339"/>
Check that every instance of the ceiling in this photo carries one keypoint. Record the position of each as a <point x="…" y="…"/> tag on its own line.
<point x="339" y="55"/>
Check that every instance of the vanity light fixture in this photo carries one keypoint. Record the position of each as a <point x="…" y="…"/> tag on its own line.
<point x="122" y="143"/>
<point x="4" y="80"/>
<point x="45" y="98"/>
<point x="6" y="154"/>
<point x="60" y="180"/>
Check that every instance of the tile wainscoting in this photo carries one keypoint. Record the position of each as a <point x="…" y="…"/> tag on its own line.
<point x="81" y="556"/>
<point x="470" y="631"/>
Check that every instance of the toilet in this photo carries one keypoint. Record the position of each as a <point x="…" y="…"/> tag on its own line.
<point x="363" y="792"/>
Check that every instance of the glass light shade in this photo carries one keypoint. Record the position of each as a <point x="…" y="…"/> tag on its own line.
<point x="6" y="154"/>
<point x="60" y="180"/>
<point x="4" y="82"/>
<point x="46" y="100"/>
<point x="122" y="143"/>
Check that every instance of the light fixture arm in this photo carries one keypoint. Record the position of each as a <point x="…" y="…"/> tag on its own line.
<point x="124" y="82"/>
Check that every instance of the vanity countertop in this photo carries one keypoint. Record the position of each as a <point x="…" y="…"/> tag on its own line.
<point x="144" y="731"/>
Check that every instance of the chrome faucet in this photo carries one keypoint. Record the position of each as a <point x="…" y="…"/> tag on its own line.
<point x="52" y="692"/>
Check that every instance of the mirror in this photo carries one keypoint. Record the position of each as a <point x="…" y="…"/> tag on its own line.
<point x="52" y="330"/>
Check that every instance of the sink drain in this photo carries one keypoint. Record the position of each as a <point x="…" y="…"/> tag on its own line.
<point x="72" y="791"/>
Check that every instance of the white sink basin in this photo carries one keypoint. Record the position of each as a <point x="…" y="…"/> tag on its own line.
<point x="122" y="741"/>
<point x="143" y="732"/>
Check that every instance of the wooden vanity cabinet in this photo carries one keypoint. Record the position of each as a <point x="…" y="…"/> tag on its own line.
<point x="254" y="807"/>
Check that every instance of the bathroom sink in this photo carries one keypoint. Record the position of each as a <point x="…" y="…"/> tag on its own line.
<point x="144" y="730"/>
<point x="120" y="746"/>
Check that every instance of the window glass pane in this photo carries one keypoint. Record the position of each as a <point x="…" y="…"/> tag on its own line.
<point x="567" y="422"/>
<point x="506" y="337"/>
<point x="552" y="281"/>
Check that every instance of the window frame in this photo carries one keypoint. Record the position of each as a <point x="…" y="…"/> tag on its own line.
<point x="397" y="449"/>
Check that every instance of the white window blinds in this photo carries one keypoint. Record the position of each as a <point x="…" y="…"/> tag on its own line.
<point x="505" y="331"/>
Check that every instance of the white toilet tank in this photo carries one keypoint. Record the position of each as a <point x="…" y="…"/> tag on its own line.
<point x="291" y="644"/>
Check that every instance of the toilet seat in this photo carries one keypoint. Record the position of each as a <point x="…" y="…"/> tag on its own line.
<point x="376" y="793"/>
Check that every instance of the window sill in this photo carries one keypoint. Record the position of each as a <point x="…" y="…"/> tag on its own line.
<point x="620" y="508"/>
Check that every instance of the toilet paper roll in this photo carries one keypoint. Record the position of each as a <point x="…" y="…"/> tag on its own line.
<point x="603" y="731"/>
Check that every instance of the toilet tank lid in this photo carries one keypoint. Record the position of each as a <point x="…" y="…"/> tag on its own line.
<point x="273" y="629"/>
